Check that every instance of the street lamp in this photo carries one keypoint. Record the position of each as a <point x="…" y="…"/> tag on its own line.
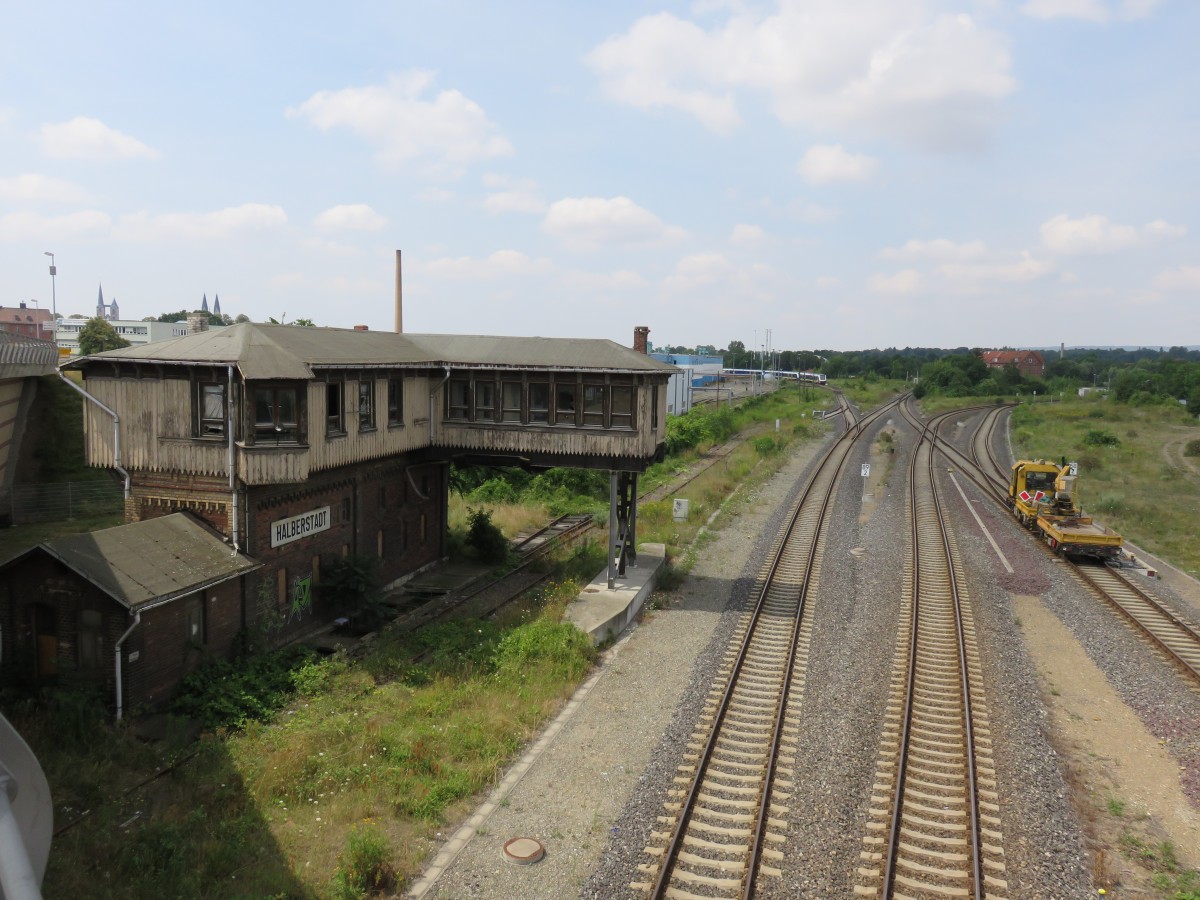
<point x="53" y="295"/>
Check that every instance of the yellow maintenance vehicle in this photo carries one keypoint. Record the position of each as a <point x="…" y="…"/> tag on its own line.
<point x="1044" y="499"/>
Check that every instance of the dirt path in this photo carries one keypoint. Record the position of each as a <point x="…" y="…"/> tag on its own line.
<point x="1172" y="452"/>
<point x="1131" y="782"/>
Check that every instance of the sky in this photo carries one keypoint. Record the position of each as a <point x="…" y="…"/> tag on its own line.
<point x="814" y="174"/>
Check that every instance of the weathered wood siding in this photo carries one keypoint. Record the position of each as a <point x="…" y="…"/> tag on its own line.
<point x="156" y="427"/>
<point x="358" y="446"/>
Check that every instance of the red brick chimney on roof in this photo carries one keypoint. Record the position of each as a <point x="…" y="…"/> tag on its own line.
<point x="640" y="335"/>
<point x="361" y="328"/>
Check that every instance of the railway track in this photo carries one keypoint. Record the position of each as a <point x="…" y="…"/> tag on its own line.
<point x="933" y="828"/>
<point x="726" y="818"/>
<point x="1177" y="639"/>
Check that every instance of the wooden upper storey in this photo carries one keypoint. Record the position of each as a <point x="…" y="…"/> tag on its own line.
<point x="291" y="400"/>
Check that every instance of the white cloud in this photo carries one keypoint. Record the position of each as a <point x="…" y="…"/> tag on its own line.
<point x="32" y="188"/>
<point x="829" y="163"/>
<point x="889" y="67"/>
<point x="87" y="138"/>
<point x="501" y="264"/>
<point x="350" y="217"/>
<point x="1089" y="10"/>
<point x="219" y="224"/>
<point x="1181" y="278"/>
<point x="602" y="282"/>
<point x="1023" y="270"/>
<point x="1091" y="234"/>
<point x="24" y="226"/>
<point x="1096" y="234"/>
<point x="697" y="271"/>
<point x="435" y="195"/>
<point x="1160" y="229"/>
<point x="520" y="195"/>
<point x="743" y="234"/>
<point x="449" y="131"/>
<point x="824" y="282"/>
<point x="906" y="281"/>
<point x="938" y="249"/>
<point x="813" y="213"/>
<point x="595" y="222"/>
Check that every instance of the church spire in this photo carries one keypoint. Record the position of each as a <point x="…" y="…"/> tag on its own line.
<point x="204" y="304"/>
<point x="216" y="304"/>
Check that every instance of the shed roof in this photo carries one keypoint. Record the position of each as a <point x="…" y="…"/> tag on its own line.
<point x="25" y="356"/>
<point x="290" y="351"/>
<point x="153" y="562"/>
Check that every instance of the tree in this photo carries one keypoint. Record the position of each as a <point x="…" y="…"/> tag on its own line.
<point x="242" y="317"/>
<point x="97" y="336"/>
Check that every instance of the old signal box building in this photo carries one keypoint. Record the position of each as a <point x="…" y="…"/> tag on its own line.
<point x="299" y="445"/>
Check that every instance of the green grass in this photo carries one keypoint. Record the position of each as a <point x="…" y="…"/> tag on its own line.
<point x="21" y="537"/>
<point x="1129" y="484"/>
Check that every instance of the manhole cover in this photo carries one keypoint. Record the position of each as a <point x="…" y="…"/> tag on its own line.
<point x="523" y="851"/>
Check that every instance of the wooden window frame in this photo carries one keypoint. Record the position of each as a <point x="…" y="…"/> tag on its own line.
<point x="593" y="417"/>
<point x="278" y="425"/>
<point x="208" y="426"/>
<point x="458" y="412"/>
<point x="366" y="416"/>
<point x="482" y="412"/>
<point x="508" y="413"/>
<point x="540" y="415"/>
<point x="568" y="417"/>
<point x="395" y="401"/>
<point x="335" y="408"/>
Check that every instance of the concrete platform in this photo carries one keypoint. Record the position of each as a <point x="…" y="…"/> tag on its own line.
<point x="604" y="614"/>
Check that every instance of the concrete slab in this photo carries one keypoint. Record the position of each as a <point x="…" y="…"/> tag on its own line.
<point x="602" y="613"/>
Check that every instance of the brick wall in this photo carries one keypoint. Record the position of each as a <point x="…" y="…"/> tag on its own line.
<point x="40" y="590"/>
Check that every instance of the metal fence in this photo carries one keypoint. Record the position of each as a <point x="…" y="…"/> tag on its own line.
<point x="68" y="500"/>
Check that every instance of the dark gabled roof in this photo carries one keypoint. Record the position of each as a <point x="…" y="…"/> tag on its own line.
<point x="149" y="563"/>
<point x="291" y="351"/>
<point x="25" y="356"/>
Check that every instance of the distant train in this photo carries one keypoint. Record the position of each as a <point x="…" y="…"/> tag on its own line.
<point x="812" y="377"/>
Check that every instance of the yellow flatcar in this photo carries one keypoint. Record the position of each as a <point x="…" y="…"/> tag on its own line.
<point x="1043" y="498"/>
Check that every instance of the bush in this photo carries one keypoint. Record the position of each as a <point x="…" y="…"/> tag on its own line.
<point x="494" y="490"/>
<point x="366" y="867"/>
<point x="1098" y="438"/>
<point x="1192" y="448"/>
<point x="558" y="648"/>
<point x="224" y="694"/>
<point x="485" y="539"/>
<point x="765" y="445"/>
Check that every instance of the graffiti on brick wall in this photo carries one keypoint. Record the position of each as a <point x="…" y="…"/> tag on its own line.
<point x="301" y="598"/>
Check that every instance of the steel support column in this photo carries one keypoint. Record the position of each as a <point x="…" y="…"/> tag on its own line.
<point x="622" y="523"/>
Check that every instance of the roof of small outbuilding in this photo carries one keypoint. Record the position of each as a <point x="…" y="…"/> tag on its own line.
<point x="291" y="351"/>
<point x="149" y="563"/>
<point x="21" y="356"/>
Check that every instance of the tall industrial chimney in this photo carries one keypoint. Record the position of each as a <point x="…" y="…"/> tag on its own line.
<point x="399" y="298"/>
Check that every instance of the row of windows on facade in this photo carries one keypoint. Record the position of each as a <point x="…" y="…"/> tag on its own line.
<point x="549" y="402"/>
<point x="277" y="413"/>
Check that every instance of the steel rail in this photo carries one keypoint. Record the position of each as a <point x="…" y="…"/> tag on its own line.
<point x="687" y="808"/>
<point x="894" y="830"/>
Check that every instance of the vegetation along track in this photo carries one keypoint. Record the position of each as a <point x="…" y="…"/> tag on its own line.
<point x="933" y="829"/>
<point x="727" y="815"/>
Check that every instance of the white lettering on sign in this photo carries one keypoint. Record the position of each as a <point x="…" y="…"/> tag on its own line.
<point x="1074" y="468"/>
<point x="293" y="528"/>
<point x="866" y="469"/>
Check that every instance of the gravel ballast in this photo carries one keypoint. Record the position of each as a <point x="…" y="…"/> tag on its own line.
<point x="593" y="793"/>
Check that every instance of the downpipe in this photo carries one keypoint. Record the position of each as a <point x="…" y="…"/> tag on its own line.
<point x="137" y="620"/>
